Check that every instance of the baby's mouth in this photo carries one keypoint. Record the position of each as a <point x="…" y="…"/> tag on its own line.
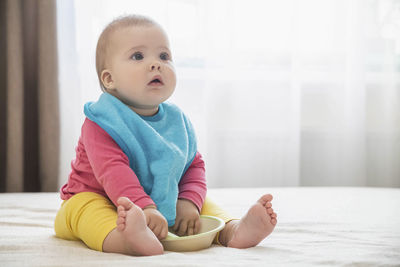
<point x="156" y="81"/>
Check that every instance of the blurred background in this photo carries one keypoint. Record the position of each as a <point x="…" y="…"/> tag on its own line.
<point x="281" y="93"/>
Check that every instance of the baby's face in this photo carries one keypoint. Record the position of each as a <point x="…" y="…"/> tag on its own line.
<point x="141" y="68"/>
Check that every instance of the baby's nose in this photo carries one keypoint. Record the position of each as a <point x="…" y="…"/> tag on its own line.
<point x="155" y="66"/>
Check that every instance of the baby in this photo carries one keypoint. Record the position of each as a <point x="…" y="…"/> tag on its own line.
<point x="137" y="171"/>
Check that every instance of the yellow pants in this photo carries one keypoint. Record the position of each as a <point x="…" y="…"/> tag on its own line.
<point x="90" y="217"/>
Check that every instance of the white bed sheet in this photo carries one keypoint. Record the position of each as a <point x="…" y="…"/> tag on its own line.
<point x="328" y="226"/>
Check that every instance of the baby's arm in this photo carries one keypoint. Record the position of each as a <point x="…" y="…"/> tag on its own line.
<point x="111" y="166"/>
<point x="187" y="218"/>
<point x="111" y="169"/>
<point x="192" y="192"/>
<point x="156" y="221"/>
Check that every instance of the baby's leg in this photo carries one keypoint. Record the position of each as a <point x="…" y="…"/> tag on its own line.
<point x="213" y="209"/>
<point x="257" y="224"/>
<point x="92" y="218"/>
<point x="132" y="236"/>
<point x="88" y="217"/>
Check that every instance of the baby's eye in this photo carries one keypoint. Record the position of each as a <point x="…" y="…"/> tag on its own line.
<point x="137" y="56"/>
<point x="164" y="56"/>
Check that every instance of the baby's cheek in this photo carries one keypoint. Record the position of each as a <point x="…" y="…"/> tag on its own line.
<point x="171" y="74"/>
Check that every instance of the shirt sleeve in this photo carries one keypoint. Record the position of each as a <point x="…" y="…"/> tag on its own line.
<point x="111" y="166"/>
<point x="193" y="185"/>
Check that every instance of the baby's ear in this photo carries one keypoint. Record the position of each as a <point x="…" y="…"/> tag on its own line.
<point x="106" y="79"/>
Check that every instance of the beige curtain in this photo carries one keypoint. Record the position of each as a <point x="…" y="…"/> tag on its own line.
<point x="29" y="122"/>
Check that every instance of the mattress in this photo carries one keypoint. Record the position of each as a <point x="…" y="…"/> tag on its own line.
<point x="317" y="226"/>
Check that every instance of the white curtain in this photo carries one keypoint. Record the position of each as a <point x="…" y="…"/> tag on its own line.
<point x="281" y="93"/>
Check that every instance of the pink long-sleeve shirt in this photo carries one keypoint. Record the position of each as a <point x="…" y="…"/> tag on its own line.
<point x="102" y="167"/>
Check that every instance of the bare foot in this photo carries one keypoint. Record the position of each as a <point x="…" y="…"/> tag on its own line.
<point x="257" y="224"/>
<point x="131" y="222"/>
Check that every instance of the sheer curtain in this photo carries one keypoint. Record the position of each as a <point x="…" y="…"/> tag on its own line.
<point x="281" y="93"/>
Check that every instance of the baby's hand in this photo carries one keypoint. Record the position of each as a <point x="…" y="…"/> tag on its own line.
<point x="187" y="220"/>
<point x="156" y="222"/>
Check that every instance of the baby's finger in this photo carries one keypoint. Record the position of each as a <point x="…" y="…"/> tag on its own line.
<point x="157" y="231"/>
<point x="190" y="229"/>
<point x="197" y="225"/>
<point x="182" y="228"/>
<point x="176" y="226"/>
<point x="164" y="232"/>
<point x="151" y="225"/>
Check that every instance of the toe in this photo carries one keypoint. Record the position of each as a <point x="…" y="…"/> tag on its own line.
<point x="273" y="215"/>
<point x="273" y="221"/>
<point x="120" y="227"/>
<point x="120" y="220"/>
<point x="125" y="202"/>
<point x="265" y="198"/>
<point x="120" y="208"/>
<point x="268" y="205"/>
<point x="270" y="210"/>
<point x="120" y="224"/>
<point x="122" y="213"/>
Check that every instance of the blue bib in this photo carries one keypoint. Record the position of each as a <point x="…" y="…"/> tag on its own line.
<point x="160" y="148"/>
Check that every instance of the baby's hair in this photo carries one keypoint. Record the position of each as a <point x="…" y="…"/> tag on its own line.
<point x="102" y="48"/>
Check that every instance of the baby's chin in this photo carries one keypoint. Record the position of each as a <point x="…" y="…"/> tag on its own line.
<point x="144" y="109"/>
<point x="141" y="104"/>
<point x="146" y="103"/>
